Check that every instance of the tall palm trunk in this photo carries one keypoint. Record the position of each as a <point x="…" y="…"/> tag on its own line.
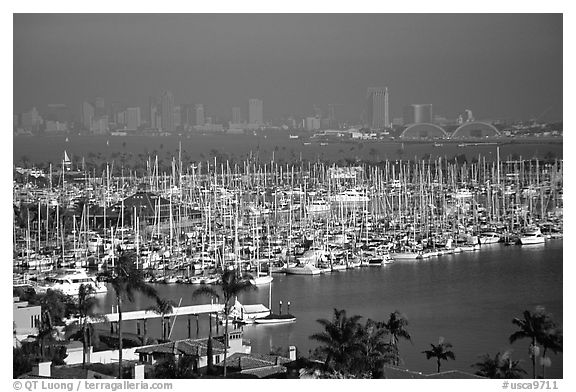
<point x="209" y="350"/>
<point x="119" y="336"/>
<point x="438" y="363"/>
<point x="543" y="362"/>
<point x="225" y="341"/>
<point x="533" y="353"/>
<point x="84" y="342"/>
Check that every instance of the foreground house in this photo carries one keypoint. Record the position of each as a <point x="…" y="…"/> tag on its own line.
<point x="197" y="348"/>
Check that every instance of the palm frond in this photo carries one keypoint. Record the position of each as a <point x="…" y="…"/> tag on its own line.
<point x="205" y="291"/>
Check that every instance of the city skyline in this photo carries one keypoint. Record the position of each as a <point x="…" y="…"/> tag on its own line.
<point x="294" y="62"/>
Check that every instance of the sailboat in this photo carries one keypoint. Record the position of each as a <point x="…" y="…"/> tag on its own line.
<point x="66" y="162"/>
<point x="259" y="279"/>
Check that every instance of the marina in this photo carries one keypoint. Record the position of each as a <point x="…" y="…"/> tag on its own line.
<point x="287" y="196"/>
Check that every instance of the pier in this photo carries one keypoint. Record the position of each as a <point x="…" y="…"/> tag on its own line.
<point x="191" y="310"/>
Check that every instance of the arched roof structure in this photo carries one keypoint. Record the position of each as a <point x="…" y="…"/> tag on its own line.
<point x="476" y="129"/>
<point x="423" y="131"/>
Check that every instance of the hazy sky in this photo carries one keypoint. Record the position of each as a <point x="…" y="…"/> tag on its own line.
<point x="502" y="66"/>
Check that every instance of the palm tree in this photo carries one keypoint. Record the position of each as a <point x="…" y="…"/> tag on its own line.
<point x="396" y="327"/>
<point x="341" y="340"/>
<point x="375" y="349"/>
<point x="440" y="351"/>
<point x="126" y="280"/>
<point x="176" y="368"/>
<point x="501" y="366"/>
<point x="163" y="307"/>
<point x="552" y="338"/>
<point x="87" y="308"/>
<point x="535" y="326"/>
<point x="231" y="285"/>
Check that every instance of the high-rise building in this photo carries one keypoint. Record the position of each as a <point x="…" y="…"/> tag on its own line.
<point x="154" y="117"/>
<point x="177" y="117"/>
<point x="133" y="118"/>
<point x="255" y="111"/>
<point x="167" y="112"/>
<point x="87" y="115"/>
<point x="187" y="117"/>
<point x="311" y="123"/>
<point x="200" y="115"/>
<point x="151" y="112"/>
<point x="418" y="113"/>
<point x="386" y="109"/>
<point x="377" y="107"/>
<point x="236" y="115"/>
<point x="423" y="113"/>
<point x="31" y="120"/>
<point x="100" y="126"/>
<point x="332" y="122"/>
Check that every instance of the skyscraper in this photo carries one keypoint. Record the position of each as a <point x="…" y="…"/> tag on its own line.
<point x="167" y="112"/>
<point x="423" y="113"/>
<point x="255" y="111"/>
<point x="377" y="107"/>
<point x="418" y="113"/>
<point x="200" y="114"/>
<point x="133" y="118"/>
<point x="87" y="115"/>
<point x="236" y="115"/>
<point x="386" y="109"/>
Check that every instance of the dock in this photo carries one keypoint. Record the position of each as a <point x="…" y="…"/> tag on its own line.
<point x="191" y="310"/>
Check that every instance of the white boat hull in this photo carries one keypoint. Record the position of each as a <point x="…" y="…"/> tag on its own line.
<point x="261" y="280"/>
<point x="532" y="240"/>
<point x="306" y="270"/>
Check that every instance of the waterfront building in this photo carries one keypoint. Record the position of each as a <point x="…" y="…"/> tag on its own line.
<point x="167" y="112"/>
<point x="31" y="120"/>
<point x="133" y="118"/>
<point x="418" y="113"/>
<point x="377" y="107"/>
<point x="100" y="126"/>
<point x="87" y="115"/>
<point x="236" y="115"/>
<point x="177" y="117"/>
<point x="311" y="123"/>
<point x="55" y="127"/>
<point x="255" y="111"/>
<point x="152" y="112"/>
<point x="200" y="115"/>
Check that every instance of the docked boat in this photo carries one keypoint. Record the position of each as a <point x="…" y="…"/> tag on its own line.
<point x="400" y="256"/>
<point x="351" y="196"/>
<point x="69" y="282"/>
<point x="318" y="206"/>
<point x="247" y="314"/>
<point x="261" y="280"/>
<point x="276" y="319"/>
<point x="304" y="269"/>
<point x="532" y="237"/>
<point x="489" y="237"/>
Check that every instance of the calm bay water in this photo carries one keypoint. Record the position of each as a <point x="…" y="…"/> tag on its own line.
<point x="470" y="299"/>
<point x="236" y="147"/>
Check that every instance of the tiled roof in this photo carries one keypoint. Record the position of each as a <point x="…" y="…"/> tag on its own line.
<point x="242" y="361"/>
<point x="265" y="371"/>
<point x="196" y="347"/>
